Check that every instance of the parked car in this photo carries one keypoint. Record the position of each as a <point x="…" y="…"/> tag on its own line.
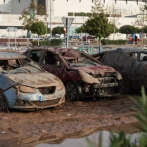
<point x="88" y="38"/>
<point x="25" y="85"/>
<point x="82" y="75"/>
<point x="131" y="63"/>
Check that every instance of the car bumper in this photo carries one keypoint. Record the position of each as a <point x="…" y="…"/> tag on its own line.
<point x="33" y="100"/>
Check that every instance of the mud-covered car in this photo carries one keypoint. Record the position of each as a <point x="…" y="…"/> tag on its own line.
<point x="82" y="75"/>
<point x="25" y="85"/>
<point x="131" y="63"/>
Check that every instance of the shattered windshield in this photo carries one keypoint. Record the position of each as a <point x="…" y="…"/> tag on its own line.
<point x="19" y="66"/>
<point x="81" y="62"/>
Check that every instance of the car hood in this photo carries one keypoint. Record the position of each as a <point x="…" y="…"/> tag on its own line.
<point x="35" y="80"/>
<point x="95" y="69"/>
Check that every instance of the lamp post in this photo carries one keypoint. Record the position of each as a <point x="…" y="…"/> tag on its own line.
<point x="50" y="18"/>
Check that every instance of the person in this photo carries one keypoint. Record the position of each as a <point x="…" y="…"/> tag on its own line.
<point x="136" y="40"/>
<point x="130" y="39"/>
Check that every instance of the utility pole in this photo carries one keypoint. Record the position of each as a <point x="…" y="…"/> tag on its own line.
<point x="50" y="18"/>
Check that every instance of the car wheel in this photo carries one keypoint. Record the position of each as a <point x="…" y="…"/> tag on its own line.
<point x="3" y="103"/>
<point x="126" y="85"/>
<point x="72" y="91"/>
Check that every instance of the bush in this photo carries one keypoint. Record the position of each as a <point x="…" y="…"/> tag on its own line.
<point x="113" y="42"/>
<point x="53" y="42"/>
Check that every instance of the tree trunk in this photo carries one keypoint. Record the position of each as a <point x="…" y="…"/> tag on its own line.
<point x="38" y="40"/>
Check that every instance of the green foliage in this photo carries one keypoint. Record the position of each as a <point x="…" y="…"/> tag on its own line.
<point x="80" y="30"/>
<point x="113" y="42"/>
<point x="53" y="42"/>
<point x="48" y="30"/>
<point x="38" y="28"/>
<point x="58" y="30"/>
<point x="111" y="27"/>
<point x="121" y="140"/>
<point x="127" y="29"/>
<point x="36" y="9"/>
<point x="98" y="26"/>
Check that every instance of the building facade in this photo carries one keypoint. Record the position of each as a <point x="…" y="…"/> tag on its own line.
<point x="10" y="11"/>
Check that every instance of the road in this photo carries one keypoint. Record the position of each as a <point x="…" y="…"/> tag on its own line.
<point x="24" y="128"/>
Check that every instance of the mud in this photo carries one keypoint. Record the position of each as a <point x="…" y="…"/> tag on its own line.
<point x="50" y="125"/>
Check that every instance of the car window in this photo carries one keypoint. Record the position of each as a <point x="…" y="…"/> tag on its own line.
<point x="50" y="58"/>
<point x="35" y="55"/>
<point x="142" y="57"/>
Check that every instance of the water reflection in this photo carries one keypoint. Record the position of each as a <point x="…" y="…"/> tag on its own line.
<point x="94" y="138"/>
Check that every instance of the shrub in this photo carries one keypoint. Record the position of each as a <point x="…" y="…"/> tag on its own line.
<point x="53" y="42"/>
<point x="113" y="42"/>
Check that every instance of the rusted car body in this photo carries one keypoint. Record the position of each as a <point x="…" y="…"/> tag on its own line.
<point x="25" y="85"/>
<point x="82" y="75"/>
<point x="131" y="63"/>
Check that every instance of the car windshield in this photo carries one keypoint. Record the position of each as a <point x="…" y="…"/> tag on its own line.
<point x="19" y="66"/>
<point x="81" y="62"/>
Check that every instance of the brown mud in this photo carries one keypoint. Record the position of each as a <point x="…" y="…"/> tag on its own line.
<point x="72" y="120"/>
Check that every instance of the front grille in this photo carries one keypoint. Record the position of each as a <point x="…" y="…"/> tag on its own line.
<point x="47" y="103"/>
<point x="47" y="90"/>
<point x="107" y="74"/>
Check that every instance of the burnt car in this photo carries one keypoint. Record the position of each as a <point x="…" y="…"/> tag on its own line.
<point x="82" y="75"/>
<point x="131" y="63"/>
<point x="25" y="85"/>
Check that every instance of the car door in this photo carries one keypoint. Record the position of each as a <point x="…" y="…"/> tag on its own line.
<point x="52" y="63"/>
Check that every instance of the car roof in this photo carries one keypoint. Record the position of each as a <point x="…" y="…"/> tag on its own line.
<point x="130" y="50"/>
<point x="7" y="55"/>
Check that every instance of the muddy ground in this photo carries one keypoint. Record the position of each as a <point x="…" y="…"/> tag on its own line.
<point x="50" y="125"/>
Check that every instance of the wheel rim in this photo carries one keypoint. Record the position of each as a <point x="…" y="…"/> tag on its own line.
<point x="3" y="103"/>
<point x="71" y="91"/>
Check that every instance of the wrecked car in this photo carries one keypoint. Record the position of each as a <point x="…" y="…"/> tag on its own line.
<point x="25" y="85"/>
<point x="131" y="63"/>
<point x="82" y="75"/>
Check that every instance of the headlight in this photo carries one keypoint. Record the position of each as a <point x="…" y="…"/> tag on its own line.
<point x="119" y="76"/>
<point x="60" y="86"/>
<point x="88" y="78"/>
<point x="25" y="89"/>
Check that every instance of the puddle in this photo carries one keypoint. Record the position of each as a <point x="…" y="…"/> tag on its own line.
<point x="71" y="140"/>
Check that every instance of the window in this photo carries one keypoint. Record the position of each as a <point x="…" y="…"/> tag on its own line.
<point x="4" y="1"/>
<point x="50" y="58"/>
<point x="35" y="55"/>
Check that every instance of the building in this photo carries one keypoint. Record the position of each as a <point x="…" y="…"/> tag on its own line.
<point x="10" y="11"/>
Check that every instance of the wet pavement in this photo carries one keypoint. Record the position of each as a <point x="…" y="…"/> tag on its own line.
<point x="72" y="120"/>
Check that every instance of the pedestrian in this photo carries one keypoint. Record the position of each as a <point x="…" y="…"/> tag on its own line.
<point x="130" y="39"/>
<point x="136" y="40"/>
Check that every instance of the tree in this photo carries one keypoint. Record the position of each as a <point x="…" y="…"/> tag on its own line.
<point x="127" y="29"/>
<point x="58" y="30"/>
<point x="30" y="15"/>
<point x="112" y="27"/>
<point x="98" y="26"/>
<point x="80" y="30"/>
<point x="98" y="7"/>
<point x="141" y="19"/>
<point x="114" y="18"/>
<point x="38" y="28"/>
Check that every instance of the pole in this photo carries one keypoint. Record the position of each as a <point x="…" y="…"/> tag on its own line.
<point x="67" y="24"/>
<point x="15" y="37"/>
<point x="9" y="37"/>
<point x="50" y="18"/>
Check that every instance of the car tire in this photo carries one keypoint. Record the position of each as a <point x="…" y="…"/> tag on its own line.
<point x="126" y="85"/>
<point x="3" y="103"/>
<point x="72" y="91"/>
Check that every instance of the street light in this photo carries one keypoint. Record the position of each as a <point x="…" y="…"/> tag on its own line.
<point x="50" y="18"/>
